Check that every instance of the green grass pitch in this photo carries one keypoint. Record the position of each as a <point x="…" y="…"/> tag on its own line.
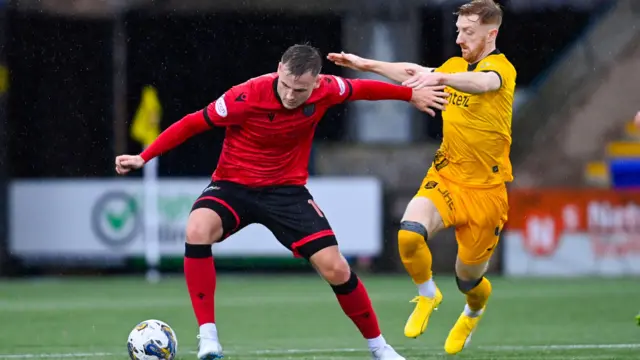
<point x="297" y="317"/>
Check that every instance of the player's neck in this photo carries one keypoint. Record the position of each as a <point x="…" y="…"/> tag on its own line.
<point x="488" y="51"/>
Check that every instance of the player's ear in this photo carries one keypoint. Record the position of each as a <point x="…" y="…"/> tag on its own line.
<point x="493" y="34"/>
<point x="318" y="82"/>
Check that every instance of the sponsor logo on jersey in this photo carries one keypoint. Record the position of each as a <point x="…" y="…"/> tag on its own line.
<point x="341" y="85"/>
<point x="221" y="107"/>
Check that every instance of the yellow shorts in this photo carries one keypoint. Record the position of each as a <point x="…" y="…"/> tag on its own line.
<point x="478" y="214"/>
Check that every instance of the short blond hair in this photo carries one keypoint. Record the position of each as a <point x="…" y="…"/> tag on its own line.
<point x="488" y="11"/>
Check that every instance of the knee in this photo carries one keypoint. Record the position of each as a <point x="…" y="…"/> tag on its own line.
<point x="467" y="272"/>
<point x="335" y="271"/>
<point x="347" y="286"/>
<point x="468" y="277"/>
<point x="411" y="236"/>
<point x="331" y="265"/>
<point x="203" y="232"/>
<point x="466" y="285"/>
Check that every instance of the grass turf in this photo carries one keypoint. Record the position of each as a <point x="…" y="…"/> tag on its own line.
<point x="297" y="317"/>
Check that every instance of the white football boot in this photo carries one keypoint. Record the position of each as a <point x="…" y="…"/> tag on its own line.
<point x="209" y="348"/>
<point x="385" y="353"/>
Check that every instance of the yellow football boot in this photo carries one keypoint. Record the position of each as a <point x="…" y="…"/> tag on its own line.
<point x="460" y="334"/>
<point x="419" y="318"/>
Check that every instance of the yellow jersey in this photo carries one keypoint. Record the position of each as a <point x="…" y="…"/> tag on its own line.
<point x="477" y="127"/>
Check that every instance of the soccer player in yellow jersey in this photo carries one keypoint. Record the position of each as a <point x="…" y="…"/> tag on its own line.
<point x="465" y="186"/>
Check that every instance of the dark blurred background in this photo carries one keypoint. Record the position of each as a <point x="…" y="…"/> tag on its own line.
<point x="73" y="73"/>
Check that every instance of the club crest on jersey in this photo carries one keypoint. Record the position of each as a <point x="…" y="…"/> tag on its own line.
<point x="430" y="185"/>
<point x="309" y="110"/>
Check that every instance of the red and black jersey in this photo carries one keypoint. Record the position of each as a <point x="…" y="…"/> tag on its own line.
<point x="266" y="144"/>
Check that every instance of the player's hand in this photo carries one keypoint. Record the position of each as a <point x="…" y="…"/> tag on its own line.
<point x="348" y="60"/>
<point x="126" y="163"/>
<point x="429" y="98"/>
<point x="419" y="80"/>
<point x="636" y="120"/>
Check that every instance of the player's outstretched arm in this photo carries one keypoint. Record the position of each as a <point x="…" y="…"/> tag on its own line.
<point x="396" y="71"/>
<point x="426" y="99"/>
<point x="173" y="136"/>
<point x="220" y="113"/>
<point x="473" y="82"/>
<point x="469" y="82"/>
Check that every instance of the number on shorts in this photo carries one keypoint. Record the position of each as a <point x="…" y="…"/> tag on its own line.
<point x="316" y="207"/>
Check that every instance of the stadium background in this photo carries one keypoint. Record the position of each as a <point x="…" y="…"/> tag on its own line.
<point x="71" y="81"/>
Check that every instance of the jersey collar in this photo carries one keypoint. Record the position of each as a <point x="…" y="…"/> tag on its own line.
<point x="274" y="84"/>
<point x="472" y="67"/>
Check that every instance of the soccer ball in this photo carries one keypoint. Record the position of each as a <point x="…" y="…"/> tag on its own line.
<point x="152" y="340"/>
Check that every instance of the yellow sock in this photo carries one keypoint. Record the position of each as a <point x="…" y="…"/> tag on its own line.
<point x="478" y="296"/>
<point x="415" y="255"/>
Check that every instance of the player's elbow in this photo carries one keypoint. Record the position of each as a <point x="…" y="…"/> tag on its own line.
<point x="481" y="87"/>
<point x="491" y="86"/>
<point x="490" y="81"/>
<point x="484" y="87"/>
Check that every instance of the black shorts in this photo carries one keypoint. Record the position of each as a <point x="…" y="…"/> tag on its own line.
<point x="288" y="211"/>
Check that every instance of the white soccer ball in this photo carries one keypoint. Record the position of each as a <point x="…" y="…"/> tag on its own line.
<point x="152" y="340"/>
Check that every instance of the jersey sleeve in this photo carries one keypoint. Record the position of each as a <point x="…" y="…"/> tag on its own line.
<point x="496" y="66"/>
<point x="338" y="89"/>
<point x="229" y="109"/>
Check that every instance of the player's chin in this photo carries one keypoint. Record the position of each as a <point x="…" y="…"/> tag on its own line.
<point x="290" y="106"/>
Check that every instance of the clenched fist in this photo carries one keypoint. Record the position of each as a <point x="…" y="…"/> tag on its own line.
<point x="126" y="163"/>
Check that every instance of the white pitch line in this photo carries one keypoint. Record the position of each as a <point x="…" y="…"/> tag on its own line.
<point x="345" y="350"/>
<point x="490" y="348"/>
<point x="561" y="347"/>
<point x="56" y="356"/>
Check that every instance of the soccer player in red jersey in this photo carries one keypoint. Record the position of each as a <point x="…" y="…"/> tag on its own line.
<point x="270" y="122"/>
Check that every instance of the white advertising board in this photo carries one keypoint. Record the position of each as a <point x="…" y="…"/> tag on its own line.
<point x="104" y="218"/>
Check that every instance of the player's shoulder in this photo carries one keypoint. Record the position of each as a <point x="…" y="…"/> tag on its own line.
<point x="497" y="59"/>
<point x="258" y="83"/>
<point x="254" y="90"/>
<point x="333" y="82"/>
<point x="453" y="64"/>
<point x="497" y="62"/>
<point x="330" y="87"/>
<point x="455" y="60"/>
